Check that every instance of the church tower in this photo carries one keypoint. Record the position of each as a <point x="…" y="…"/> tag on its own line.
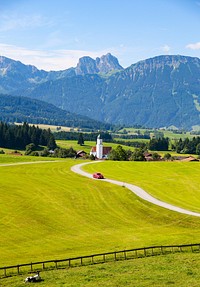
<point x="99" y="148"/>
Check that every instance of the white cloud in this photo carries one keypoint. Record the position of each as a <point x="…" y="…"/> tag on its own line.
<point x="47" y="60"/>
<point x="194" y="46"/>
<point x="166" y="49"/>
<point x="13" y="21"/>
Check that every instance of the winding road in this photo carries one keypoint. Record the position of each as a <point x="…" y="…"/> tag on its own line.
<point x="135" y="189"/>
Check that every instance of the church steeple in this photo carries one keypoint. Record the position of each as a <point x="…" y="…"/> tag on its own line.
<point x="99" y="147"/>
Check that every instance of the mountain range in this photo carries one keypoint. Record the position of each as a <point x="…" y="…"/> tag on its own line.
<point x="158" y="92"/>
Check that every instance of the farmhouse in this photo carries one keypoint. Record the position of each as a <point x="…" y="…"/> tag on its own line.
<point x="99" y="151"/>
<point x="80" y="154"/>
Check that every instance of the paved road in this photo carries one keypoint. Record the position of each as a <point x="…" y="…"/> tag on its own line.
<point x="135" y="189"/>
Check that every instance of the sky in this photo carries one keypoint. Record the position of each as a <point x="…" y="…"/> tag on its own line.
<point x="53" y="35"/>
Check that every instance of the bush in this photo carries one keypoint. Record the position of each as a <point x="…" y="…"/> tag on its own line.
<point x="34" y="153"/>
<point x="30" y="148"/>
<point x="167" y="156"/>
<point x="138" y="155"/>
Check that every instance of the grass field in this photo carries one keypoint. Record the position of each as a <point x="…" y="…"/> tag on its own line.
<point x="47" y="212"/>
<point x="169" y="134"/>
<point x="174" y="182"/>
<point x="9" y="158"/>
<point x="163" y="271"/>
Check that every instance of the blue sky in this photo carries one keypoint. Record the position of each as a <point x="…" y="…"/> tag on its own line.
<point x="53" y="35"/>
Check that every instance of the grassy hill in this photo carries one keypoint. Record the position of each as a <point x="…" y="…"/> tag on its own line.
<point x="163" y="271"/>
<point x="49" y="212"/>
<point x="173" y="182"/>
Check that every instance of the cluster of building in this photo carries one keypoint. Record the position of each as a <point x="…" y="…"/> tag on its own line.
<point x="101" y="152"/>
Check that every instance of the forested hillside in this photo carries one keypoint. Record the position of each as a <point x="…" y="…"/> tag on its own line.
<point x="22" y="109"/>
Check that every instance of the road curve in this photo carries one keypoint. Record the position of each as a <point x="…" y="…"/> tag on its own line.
<point x="135" y="189"/>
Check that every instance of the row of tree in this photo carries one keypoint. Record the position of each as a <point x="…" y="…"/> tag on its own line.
<point x="188" y="146"/>
<point x="62" y="135"/>
<point x="19" y="136"/>
<point x="120" y="154"/>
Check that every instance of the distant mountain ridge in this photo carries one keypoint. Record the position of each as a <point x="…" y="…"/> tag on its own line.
<point x="15" y="77"/>
<point x="157" y="92"/>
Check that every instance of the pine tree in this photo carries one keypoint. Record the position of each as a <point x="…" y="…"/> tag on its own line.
<point x="80" y="139"/>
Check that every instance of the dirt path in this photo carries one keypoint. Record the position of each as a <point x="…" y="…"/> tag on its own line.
<point x="135" y="189"/>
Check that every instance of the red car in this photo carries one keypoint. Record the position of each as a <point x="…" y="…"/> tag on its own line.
<point x="98" y="175"/>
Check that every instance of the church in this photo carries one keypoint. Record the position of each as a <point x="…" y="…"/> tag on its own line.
<point x="99" y="151"/>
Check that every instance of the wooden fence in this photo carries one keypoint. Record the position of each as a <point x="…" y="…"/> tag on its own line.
<point x="97" y="258"/>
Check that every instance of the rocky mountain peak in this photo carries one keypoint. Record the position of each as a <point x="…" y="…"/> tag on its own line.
<point x="86" y="65"/>
<point x="105" y="64"/>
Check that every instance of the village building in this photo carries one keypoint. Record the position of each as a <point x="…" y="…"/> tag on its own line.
<point x="99" y="151"/>
<point x="80" y="154"/>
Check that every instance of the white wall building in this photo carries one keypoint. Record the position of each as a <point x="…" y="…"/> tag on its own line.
<point x="99" y="148"/>
<point x="99" y="151"/>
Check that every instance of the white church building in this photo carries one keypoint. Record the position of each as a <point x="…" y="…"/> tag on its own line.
<point x="99" y="151"/>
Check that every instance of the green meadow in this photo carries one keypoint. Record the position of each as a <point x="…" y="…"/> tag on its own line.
<point x="167" y="133"/>
<point x="160" y="271"/>
<point x="173" y="182"/>
<point x="48" y="212"/>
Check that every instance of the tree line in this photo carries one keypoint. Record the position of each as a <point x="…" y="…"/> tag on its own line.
<point x="188" y="146"/>
<point x="62" y="135"/>
<point x="19" y="136"/>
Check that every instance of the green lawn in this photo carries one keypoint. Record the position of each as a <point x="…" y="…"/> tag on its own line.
<point x="161" y="271"/>
<point x="48" y="212"/>
<point x="174" y="182"/>
<point x="10" y="158"/>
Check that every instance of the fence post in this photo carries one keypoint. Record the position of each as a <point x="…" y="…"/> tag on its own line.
<point x="145" y="252"/>
<point x="18" y="269"/>
<point x="136" y="253"/>
<point x="5" y="272"/>
<point x="69" y="262"/>
<point x="56" y="264"/>
<point x="31" y="266"/>
<point x="115" y="255"/>
<point x="124" y="254"/>
<point x="43" y="266"/>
